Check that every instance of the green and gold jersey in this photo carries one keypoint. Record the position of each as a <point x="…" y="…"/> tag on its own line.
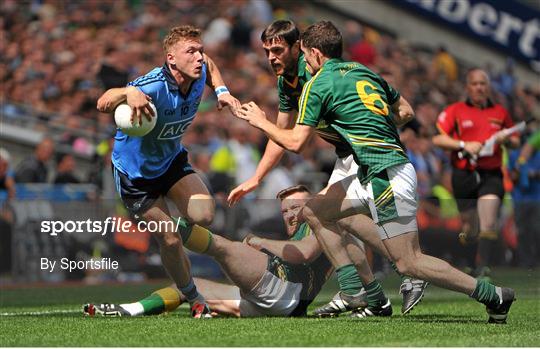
<point x="312" y="275"/>
<point x="289" y="92"/>
<point x="355" y="102"/>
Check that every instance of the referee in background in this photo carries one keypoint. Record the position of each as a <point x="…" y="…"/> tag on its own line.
<point x="477" y="181"/>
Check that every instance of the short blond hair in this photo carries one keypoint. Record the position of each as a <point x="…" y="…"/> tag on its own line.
<point x="180" y="33"/>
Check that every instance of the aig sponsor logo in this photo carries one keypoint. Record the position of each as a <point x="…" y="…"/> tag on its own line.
<point x="175" y="129"/>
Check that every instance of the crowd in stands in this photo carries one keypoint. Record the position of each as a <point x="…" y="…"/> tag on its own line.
<point x="57" y="57"/>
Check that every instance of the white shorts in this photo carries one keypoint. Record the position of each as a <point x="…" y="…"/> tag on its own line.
<point x="271" y="296"/>
<point x="343" y="168"/>
<point x="391" y="202"/>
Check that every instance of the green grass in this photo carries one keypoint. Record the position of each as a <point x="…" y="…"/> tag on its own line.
<point x="442" y="319"/>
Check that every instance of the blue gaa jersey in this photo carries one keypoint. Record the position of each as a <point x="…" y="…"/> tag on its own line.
<point x="150" y="156"/>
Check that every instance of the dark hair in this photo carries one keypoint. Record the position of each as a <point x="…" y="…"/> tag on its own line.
<point x="291" y="190"/>
<point x="281" y="30"/>
<point x="325" y="37"/>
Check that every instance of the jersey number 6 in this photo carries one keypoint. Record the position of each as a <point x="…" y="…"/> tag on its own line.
<point x="369" y="99"/>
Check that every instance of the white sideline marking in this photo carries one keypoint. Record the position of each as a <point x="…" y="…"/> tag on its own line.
<point x="39" y="313"/>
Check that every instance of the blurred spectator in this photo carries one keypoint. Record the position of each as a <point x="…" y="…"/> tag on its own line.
<point x="444" y="64"/>
<point x="362" y="50"/>
<point x="113" y="71"/>
<point x="524" y="166"/>
<point x="241" y="32"/>
<point x="34" y="168"/>
<point x="7" y="193"/>
<point x="217" y="33"/>
<point x="101" y="174"/>
<point x="425" y="162"/>
<point x="246" y="156"/>
<point x="505" y="82"/>
<point x="7" y="183"/>
<point x="6" y="225"/>
<point x="65" y="167"/>
<point x="278" y="178"/>
<point x="259" y="12"/>
<point x="201" y="164"/>
<point x="223" y="168"/>
<point x="69" y="137"/>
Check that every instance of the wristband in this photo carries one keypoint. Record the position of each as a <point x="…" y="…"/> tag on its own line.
<point x="221" y="90"/>
<point x="461" y="145"/>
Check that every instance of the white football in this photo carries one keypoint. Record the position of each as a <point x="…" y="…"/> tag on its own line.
<point x="122" y="117"/>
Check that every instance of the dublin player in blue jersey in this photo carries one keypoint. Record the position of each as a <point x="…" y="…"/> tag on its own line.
<point x="147" y="169"/>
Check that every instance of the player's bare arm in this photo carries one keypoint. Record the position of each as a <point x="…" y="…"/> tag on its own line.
<point x="294" y="252"/>
<point x="291" y="139"/>
<point x="215" y="81"/>
<point x="138" y="101"/>
<point x="403" y="112"/>
<point x="446" y="142"/>
<point x="271" y="157"/>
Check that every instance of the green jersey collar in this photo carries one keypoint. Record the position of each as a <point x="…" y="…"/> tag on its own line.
<point x="333" y="61"/>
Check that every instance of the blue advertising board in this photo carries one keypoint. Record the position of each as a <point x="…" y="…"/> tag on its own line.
<point x="505" y="24"/>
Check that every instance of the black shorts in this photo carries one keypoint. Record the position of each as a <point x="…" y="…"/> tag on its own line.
<point x="468" y="186"/>
<point x="139" y="194"/>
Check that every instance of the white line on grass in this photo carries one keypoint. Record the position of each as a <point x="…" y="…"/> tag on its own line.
<point x="40" y="313"/>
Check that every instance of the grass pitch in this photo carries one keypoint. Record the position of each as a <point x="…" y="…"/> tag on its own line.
<point x="51" y="316"/>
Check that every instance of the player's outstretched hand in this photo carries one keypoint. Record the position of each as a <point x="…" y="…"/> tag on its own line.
<point x="140" y="104"/>
<point x="252" y="114"/>
<point x="241" y="190"/>
<point x="227" y="100"/>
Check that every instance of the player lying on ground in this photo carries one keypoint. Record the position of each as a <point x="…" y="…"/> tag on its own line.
<point x="281" y="284"/>
<point x="364" y="109"/>
<point x="149" y="168"/>
<point x="280" y="41"/>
